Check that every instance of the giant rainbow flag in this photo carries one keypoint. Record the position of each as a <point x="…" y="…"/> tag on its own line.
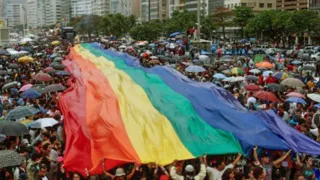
<point x="118" y="110"/>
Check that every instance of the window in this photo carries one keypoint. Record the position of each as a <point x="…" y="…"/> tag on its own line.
<point x="261" y="5"/>
<point x="269" y="5"/>
<point x="231" y="6"/>
<point x="243" y="4"/>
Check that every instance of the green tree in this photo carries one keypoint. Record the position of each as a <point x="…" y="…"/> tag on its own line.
<point x="149" y="31"/>
<point x="242" y="16"/>
<point x="207" y="26"/>
<point x="180" y="21"/>
<point x="222" y="18"/>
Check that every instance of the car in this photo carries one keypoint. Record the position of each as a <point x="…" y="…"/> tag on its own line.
<point x="315" y="57"/>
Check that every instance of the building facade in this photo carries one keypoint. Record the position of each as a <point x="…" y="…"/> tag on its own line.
<point x="136" y="8"/>
<point x="56" y="11"/>
<point x="123" y="7"/>
<point x="159" y="10"/>
<point x="290" y="5"/>
<point x="214" y="4"/>
<point x="81" y="7"/>
<point x="256" y="5"/>
<point x="314" y="5"/>
<point x="101" y="7"/>
<point x="13" y="12"/>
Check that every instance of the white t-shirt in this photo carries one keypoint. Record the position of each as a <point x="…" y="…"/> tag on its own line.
<point x="214" y="174"/>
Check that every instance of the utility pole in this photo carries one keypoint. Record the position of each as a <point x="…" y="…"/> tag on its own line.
<point x="149" y="10"/>
<point x="198" y="19"/>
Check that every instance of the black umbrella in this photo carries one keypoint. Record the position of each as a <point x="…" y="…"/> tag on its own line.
<point x="57" y="65"/>
<point x="252" y="78"/>
<point x="12" y="128"/>
<point x="4" y="52"/>
<point x="274" y="87"/>
<point x="2" y="137"/>
<point x="10" y="85"/>
<point x="13" y="66"/>
<point x="54" y="88"/>
<point x="308" y="68"/>
<point x="20" y="112"/>
<point x="3" y="72"/>
<point x="9" y="158"/>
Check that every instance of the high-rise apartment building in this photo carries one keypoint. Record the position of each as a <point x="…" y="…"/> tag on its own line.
<point x="101" y="7"/>
<point x="123" y="7"/>
<point x="136" y="8"/>
<point x="314" y="5"/>
<point x="256" y="5"/>
<point x="14" y="12"/>
<point x="290" y="5"/>
<point x="159" y="9"/>
<point x="81" y="7"/>
<point x="56" y="11"/>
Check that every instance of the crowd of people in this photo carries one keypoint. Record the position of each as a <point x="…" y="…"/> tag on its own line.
<point x="42" y="149"/>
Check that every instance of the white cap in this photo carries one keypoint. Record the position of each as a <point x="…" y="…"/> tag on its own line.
<point x="189" y="168"/>
<point x="120" y="172"/>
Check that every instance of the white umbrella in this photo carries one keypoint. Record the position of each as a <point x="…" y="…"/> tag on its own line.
<point x="203" y="57"/>
<point x="238" y="79"/>
<point x="314" y="97"/>
<point x="266" y="73"/>
<point x="228" y="79"/>
<point x="122" y="47"/>
<point x="44" y="122"/>
<point x="154" y="57"/>
<point x="196" y="69"/>
<point x="255" y="71"/>
<point x="27" y="39"/>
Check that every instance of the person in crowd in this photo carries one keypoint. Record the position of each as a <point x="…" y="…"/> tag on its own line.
<point x="217" y="172"/>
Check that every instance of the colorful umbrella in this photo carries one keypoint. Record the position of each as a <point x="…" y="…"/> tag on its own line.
<point x="264" y="95"/>
<point x="27" y="122"/>
<point x="264" y="65"/>
<point x="25" y="59"/>
<point x="281" y="75"/>
<point x="64" y="73"/>
<point x="293" y="82"/>
<point x="47" y="69"/>
<point x="296" y="100"/>
<point x="295" y="62"/>
<point x="55" y="43"/>
<point x="252" y="87"/>
<point x="31" y="94"/>
<point x="219" y="76"/>
<point x="44" y="77"/>
<point x="237" y="70"/>
<point x="266" y="73"/>
<point x="25" y="87"/>
<point x="296" y="94"/>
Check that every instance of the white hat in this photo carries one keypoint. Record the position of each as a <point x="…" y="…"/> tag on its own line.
<point x="120" y="172"/>
<point x="189" y="168"/>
